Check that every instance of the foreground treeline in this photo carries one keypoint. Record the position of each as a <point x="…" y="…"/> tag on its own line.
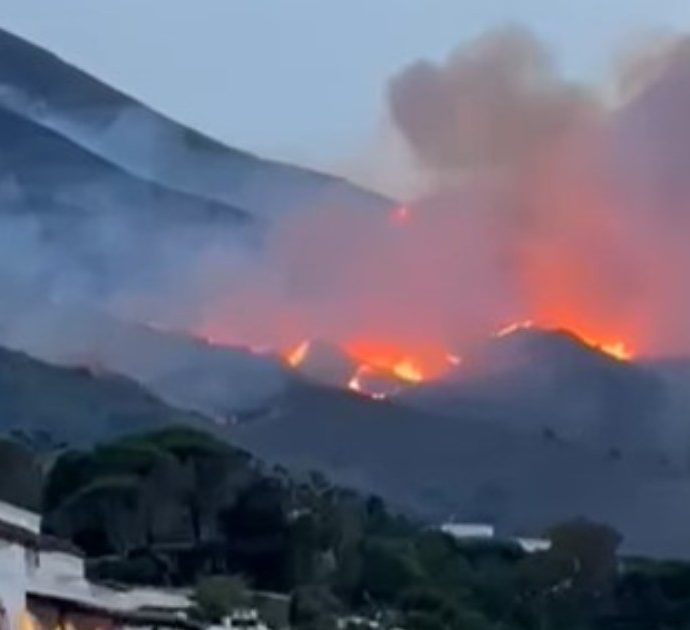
<point x="178" y="506"/>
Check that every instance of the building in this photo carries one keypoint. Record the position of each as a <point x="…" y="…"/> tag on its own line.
<point x="468" y="531"/>
<point x="43" y="586"/>
<point x="242" y="619"/>
<point x="533" y="545"/>
<point x="473" y="532"/>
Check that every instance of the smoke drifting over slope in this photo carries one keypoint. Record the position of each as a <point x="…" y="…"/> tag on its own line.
<point x="548" y="205"/>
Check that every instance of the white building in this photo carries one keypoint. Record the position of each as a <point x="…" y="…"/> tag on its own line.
<point x="43" y="586"/>
<point x="468" y="531"/>
<point x="242" y="619"/>
<point x="534" y="545"/>
<point x="19" y="555"/>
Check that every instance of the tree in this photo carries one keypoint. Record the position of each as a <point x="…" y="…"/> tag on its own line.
<point x="389" y="568"/>
<point x="211" y="471"/>
<point x="21" y="478"/>
<point x="217" y="596"/>
<point x="591" y="549"/>
<point x="257" y="532"/>
<point x="313" y="608"/>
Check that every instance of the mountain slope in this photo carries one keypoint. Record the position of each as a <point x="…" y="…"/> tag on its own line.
<point x="46" y="169"/>
<point x="76" y="405"/>
<point x="219" y="382"/>
<point x="74" y="226"/>
<point x="435" y="465"/>
<point x="40" y="86"/>
<point x="468" y="468"/>
<point x="550" y="380"/>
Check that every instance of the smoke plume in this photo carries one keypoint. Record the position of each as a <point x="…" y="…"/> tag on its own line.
<point x="547" y="203"/>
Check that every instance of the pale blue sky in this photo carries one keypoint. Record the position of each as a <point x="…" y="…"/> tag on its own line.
<point x="302" y="80"/>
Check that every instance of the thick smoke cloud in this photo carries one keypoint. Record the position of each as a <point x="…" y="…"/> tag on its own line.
<point x="547" y="204"/>
<point x="491" y="103"/>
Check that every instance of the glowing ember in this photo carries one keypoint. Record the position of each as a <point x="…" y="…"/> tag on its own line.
<point x="616" y="349"/>
<point x="356" y="384"/>
<point x="410" y="362"/>
<point x="296" y="356"/>
<point x="401" y="214"/>
<point x="514" y="327"/>
<point x="408" y="371"/>
<point x="453" y="359"/>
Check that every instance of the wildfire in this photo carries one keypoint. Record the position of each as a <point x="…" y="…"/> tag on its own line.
<point x="411" y="364"/>
<point x="453" y="359"/>
<point x="514" y="327"/>
<point x="408" y="371"/>
<point x="298" y="354"/>
<point x="401" y="214"/>
<point x="356" y="384"/>
<point x="384" y="366"/>
<point x="616" y="349"/>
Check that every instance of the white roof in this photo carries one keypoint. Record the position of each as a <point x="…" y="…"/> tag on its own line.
<point x="468" y="530"/>
<point x="19" y="517"/>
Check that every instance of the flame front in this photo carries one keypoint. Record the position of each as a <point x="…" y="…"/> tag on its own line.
<point x="298" y="354"/>
<point x="615" y="348"/>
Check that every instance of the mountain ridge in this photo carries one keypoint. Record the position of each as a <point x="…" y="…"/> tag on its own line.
<point x="61" y="96"/>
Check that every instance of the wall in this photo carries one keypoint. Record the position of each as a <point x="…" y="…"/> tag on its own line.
<point x="13" y="582"/>
<point x="21" y="518"/>
<point x="59" y="565"/>
<point x="49" y="617"/>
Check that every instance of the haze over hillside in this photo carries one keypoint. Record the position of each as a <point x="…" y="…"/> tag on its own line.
<point x="45" y="89"/>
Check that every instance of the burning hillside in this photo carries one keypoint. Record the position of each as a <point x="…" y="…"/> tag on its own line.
<point x="540" y="202"/>
<point x="543" y="203"/>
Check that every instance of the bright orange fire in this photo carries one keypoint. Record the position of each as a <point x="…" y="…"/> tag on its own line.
<point x="428" y="363"/>
<point x="412" y="366"/>
<point x="615" y="348"/>
<point x="298" y="354"/>
<point x="514" y="327"/>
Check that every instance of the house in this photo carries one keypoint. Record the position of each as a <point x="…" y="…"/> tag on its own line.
<point x="468" y="531"/>
<point x="43" y="586"/>
<point x="242" y="619"/>
<point x="533" y="545"/>
<point x="473" y="532"/>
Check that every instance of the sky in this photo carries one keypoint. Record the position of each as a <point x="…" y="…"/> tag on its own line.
<point x="304" y="80"/>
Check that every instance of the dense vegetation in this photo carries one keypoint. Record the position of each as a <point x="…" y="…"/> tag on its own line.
<point x="179" y="507"/>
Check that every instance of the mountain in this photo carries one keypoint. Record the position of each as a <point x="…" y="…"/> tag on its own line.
<point x="41" y="87"/>
<point x="551" y="380"/>
<point x="435" y="466"/>
<point x="110" y="205"/>
<point x="76" y="405"/>
<point x="473" y="469"/>
<point x="220" y="382"/>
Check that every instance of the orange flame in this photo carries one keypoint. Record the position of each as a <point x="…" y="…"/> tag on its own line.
<point x="615" y="348"/>
<point x="298" y="354"/>
<point x="401" y="214"/>
<point x="407" y="371"/>
<point x="514" y="327"/>
<point x="406" y="363"/>
<point x="357" y="386"/>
